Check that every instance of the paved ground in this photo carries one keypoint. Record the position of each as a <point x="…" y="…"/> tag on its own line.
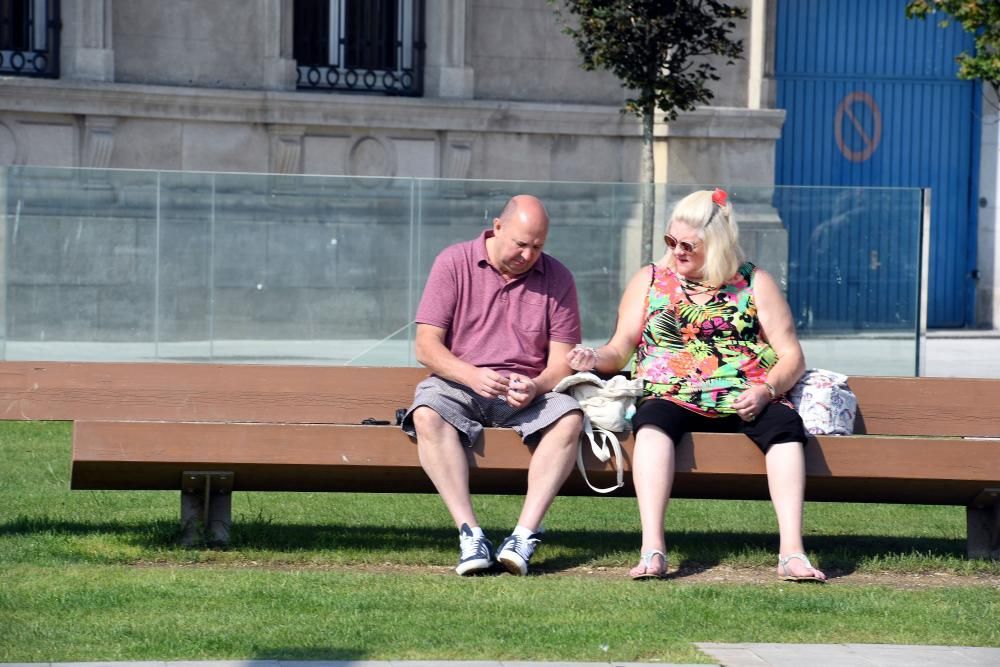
<point x="974" y="354"/>
<point x="847" y="655"/>
<point x="726" y="655"/>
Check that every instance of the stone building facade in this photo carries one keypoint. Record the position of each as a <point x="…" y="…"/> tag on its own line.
<point x="213" y="86"/>
<point x="217" y="86"/>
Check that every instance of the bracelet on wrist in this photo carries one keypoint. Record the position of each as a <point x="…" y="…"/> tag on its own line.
<point x="770" y="390"/>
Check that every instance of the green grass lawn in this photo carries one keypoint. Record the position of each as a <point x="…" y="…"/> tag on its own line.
<point x="88" y="575"/>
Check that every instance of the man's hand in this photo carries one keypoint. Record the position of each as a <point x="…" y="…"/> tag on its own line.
<point x="522" y="391"/>
<point x="488" y="383"/>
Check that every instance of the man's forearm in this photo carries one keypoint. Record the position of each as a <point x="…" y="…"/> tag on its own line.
<point x="439" y="360"/>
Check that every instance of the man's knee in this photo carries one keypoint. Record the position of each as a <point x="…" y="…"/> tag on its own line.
<point x="573" y="420"/>
<point x="567" y="428"/>
<point x="426" y="421"/>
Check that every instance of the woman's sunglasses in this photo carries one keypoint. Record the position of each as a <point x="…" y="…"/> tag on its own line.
<point x="686" y="246"/>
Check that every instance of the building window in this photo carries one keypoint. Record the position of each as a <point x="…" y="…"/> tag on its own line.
<point x="29" y="38"/>
<point x="360" y="45"/>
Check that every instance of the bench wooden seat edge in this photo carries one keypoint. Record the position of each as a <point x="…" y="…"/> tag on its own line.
<point x="338" y="457"/>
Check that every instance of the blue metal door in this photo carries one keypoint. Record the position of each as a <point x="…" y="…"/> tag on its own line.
<point x="872" y="100"/>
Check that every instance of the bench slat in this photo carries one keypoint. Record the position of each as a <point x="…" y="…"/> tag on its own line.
<point x="203" y="392"/>
<point x="964" y="407"/>
<point x="346" y="395"/>
<point x="323" y="457"/>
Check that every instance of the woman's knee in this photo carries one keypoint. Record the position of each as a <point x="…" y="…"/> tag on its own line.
<point x="652" y="434"/>
<point x="787" y="449"/>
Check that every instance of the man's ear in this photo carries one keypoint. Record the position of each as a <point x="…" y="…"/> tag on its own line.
<point x="497" y="225"/>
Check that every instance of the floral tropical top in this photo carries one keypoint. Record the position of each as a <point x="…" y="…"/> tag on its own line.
<point x="702" y="356"/>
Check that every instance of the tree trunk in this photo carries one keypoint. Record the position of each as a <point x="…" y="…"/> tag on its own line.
<point x="647" y="189"/>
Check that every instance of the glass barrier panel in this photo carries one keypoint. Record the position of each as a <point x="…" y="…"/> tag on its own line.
<point x="256" y="268"/>
<point x="79" y="264"/>
<point x="854" y="275"/>
<point x="184" y="295"/>
<point x="311" y="269"/>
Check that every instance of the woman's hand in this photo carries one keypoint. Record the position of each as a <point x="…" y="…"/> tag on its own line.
<point x="582" y="358"/>
<point x="752" y="402"/>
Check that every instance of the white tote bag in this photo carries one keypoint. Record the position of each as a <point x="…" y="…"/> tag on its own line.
<point x="607" y="407"/>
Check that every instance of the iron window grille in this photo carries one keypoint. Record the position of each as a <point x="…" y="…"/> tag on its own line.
<point x="372" y="46"/>
<point x="29" y="38"/>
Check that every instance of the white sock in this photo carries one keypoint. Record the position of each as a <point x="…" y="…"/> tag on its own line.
<point x="521" y="531"/>
<point x="477" y="531"/>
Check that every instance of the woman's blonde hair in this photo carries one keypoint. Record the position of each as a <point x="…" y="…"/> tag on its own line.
<point x="717" y="230"/>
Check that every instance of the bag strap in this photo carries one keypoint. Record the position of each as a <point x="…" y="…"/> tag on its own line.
<point x="602" y="452"/>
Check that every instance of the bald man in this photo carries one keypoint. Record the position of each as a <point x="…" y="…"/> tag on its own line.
<point x="494" y="326"/>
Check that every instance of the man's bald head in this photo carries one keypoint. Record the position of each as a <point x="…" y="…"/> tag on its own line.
<point x="518" y="235"/>
<point x="525" y="208"/>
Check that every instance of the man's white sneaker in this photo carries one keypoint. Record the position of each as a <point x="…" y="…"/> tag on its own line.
<point x="476" y="552"/>
<point x="515" y="552"/>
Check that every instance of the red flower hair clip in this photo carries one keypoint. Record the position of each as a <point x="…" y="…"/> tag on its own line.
<point x="720" y="197"/>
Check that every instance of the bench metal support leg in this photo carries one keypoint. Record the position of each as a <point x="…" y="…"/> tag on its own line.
<point x="192" y="505"/>
<point x="983" y="525"/>
<point x="220" y="519"/>
<point x="206" y="507"/>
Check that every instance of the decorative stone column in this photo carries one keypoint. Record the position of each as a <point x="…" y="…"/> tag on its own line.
<point x="286" y="149"/>
<point x="98" y="141"/>
<point x="988" y="233"/>
<point x="457" y="155"/>
<point x="756" y="53"/>
<point x="445" y="70"/>
<point x="279" y="66"/>
<point x="455" y="160"/>
<point x="8" y="147"/>
<point x="87" y="51"/>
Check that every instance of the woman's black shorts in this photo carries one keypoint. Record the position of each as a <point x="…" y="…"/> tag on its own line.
<point x="777" y="423"/>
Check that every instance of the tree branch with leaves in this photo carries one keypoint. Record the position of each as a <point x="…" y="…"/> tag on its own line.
<point x="659" y="50"/>
<point x="981" y="18"/>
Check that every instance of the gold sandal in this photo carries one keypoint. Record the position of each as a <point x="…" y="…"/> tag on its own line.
<point x="646" y="561"/>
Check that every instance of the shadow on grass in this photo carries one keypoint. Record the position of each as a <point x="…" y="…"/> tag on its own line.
<point x="702" y="550"/>
<point x="571" y="548"/>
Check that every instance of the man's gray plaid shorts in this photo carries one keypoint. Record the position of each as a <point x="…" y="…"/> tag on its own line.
<point x="469" y="412"/>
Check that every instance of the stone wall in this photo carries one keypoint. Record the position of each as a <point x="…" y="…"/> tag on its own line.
<point x="211" y="86"/>
<point x="195" y="86"/>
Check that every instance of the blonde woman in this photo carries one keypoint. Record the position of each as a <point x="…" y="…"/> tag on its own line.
<point x="716" y="349"/>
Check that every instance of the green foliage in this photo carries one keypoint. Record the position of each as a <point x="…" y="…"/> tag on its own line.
<point x="98" y="576"/>
<point x="92" y="613"/>
<point x="656" y="48"/>
<point x="981" y="18"/>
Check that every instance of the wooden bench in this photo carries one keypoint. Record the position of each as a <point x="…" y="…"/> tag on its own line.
<point x="209" y="430"/>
